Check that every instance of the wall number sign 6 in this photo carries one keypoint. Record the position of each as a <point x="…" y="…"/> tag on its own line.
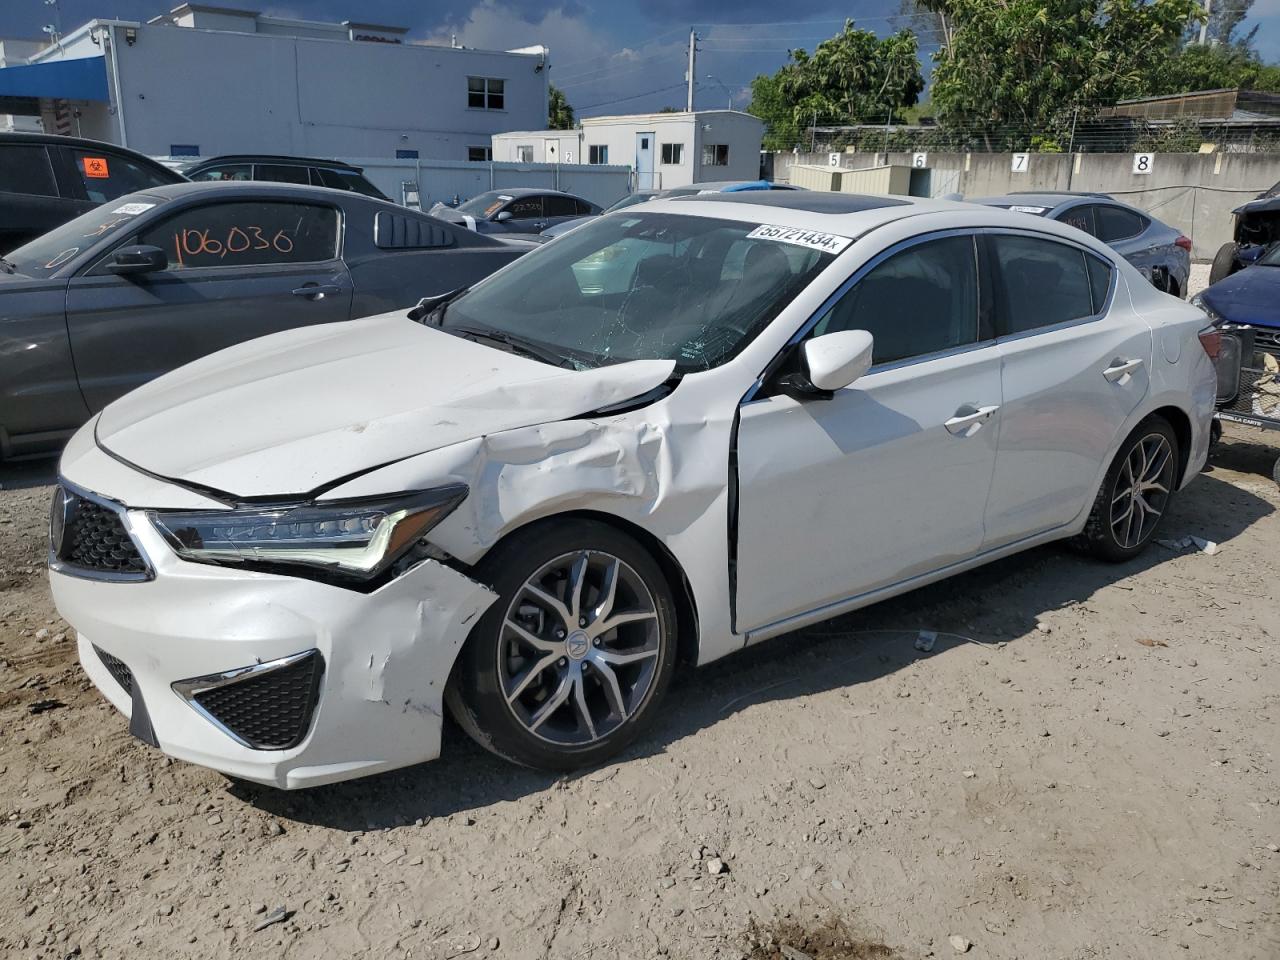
<point x="919" y="160"/>
<point x="1143" y="162"/>
<point x="1021" y="162"/>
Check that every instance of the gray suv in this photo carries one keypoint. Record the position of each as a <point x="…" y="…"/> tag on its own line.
<point x="1162" y="253"/>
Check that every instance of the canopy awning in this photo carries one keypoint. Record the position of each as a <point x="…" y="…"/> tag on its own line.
<point x="81" y="79"/>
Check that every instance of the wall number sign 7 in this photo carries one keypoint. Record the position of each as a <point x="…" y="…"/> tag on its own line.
<point x="1021" y="162"/>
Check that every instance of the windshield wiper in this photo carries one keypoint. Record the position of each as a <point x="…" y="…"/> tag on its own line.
<point x="516" y="344"/>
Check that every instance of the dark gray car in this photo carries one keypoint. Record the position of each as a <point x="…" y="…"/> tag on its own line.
<point x="156" y="279"/>
<point x="518" y="210"/>
<point x="1161" y="252"/>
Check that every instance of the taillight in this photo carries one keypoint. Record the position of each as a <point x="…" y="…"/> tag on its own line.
<point x="1184" y="243"/>
<point x="1211" y="340"/>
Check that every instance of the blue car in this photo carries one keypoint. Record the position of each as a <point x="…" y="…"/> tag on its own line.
<point x="1245" y="312"/>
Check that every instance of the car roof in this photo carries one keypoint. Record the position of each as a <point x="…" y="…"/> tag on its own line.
<point x="272" y="158"/>
<point x="848" y="214"/>
<point x="810" y="201"/>
<point x="524" y="192"/>
<point x="1047" y="199"/>
<point x="257" y="189"/>
<point x="80" y="143"/>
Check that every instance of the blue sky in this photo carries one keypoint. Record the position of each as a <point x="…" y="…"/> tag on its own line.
<point x="609" y="56"/>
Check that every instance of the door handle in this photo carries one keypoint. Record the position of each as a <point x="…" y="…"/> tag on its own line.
<point x="969" y="419"/>
<point x="317" y="291"/>
<point x="1120" y="369"/>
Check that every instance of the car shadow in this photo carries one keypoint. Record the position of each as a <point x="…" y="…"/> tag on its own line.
<point x="998" y="603"/>
<point x="25" y="474"/>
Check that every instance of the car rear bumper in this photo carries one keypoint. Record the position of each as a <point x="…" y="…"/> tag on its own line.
<point x="382" y="660"/>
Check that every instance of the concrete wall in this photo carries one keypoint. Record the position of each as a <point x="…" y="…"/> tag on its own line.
<point x="1193" y="192"/>
<point x="442" y="180"/>
<point x="263" y="93"/>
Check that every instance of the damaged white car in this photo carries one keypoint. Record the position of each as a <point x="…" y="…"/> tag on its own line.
<point x="679" y="430"/>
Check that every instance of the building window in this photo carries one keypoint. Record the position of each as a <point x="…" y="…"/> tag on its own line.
<point x="524" y="153"/>
<point x="483" y="154"/>
<point x="486" y="93"/>
<point x="673" y="153"/>
<point x="406" y="154"/>
<point x="715" y="154"/>
<point x="598" y="153"/>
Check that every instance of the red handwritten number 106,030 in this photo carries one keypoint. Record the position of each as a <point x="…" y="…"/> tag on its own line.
<point x="190" y="242"/>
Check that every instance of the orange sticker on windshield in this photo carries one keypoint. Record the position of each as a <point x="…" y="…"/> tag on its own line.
<point x="95" y="167"/>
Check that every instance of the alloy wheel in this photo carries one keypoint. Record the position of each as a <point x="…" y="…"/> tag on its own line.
<point x="1142" y="490"/>
<point x="578" y="649"/>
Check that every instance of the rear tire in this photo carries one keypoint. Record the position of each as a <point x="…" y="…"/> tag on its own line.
<point x="1224" y="263"/>
<point x="544" y="679"/>
<point x="1135" y="493"/>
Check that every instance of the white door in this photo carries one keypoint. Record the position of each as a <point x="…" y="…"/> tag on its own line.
<point x="888" y="479"/>
<point x="1075" y="360"/>
<point x="644" y="162"/>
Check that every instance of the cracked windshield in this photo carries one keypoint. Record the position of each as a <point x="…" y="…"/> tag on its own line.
<point x="695" y="290"/>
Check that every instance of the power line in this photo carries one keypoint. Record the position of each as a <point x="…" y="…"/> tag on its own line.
<point x="637" y="96"/>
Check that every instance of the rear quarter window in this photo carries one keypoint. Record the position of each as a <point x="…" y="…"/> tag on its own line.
<point x="1116" y="223"/>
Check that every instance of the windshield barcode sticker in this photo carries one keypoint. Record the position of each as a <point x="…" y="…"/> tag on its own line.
<point x="133" y="209"/>
<point x="827" y="242"/>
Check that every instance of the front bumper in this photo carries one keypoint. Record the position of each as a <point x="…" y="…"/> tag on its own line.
<point x="386" y="656"/>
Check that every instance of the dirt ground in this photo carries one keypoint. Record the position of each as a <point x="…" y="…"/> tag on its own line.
<point x="1082" y="767"/>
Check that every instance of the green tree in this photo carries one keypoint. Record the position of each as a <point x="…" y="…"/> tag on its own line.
<point x="853" y="77"/>
<point x="559" y="112"/>
<point x="1014" y="68"/>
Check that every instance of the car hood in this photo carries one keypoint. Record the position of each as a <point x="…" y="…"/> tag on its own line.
<point x="450" y="215"/>
<point x="1247" y="297"/>
<point x="1260" y="205"/>
<point x="291" y="413"/>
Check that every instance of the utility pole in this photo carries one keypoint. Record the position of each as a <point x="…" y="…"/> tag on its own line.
<point x="1204" y="27"/>
<point x="692" y="75"/>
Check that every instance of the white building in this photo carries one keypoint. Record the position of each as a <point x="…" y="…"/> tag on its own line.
<point x="205" y="80"/>
<point x="664" y="149"/>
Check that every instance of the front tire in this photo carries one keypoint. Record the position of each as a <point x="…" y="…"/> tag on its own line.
<point x="1224" y="263"/>
<point x="1135" y="493"/>
<point x="569" y="664"/>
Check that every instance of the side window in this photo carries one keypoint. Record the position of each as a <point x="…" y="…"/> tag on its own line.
<point x="249" y="233"/>
<point x="280" y="173"/>
<point x="25" y="168"/>
<point x="583" y="208"/>
<point x="1117" y="223"/>
<point x="1080" y="217"/>
<point x="231" y="171"/>
<point x="107" y="176"/>
<point x="1044" y="283"/>
<point x="526" y="208"/>
<point x="555" y="206"/>
<point x="1099" y="281"/>
<point x="920" y="300"/>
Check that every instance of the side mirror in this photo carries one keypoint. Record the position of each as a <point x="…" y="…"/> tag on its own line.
<point x="503" y="217"/>
<point x="138" y="258"/>
<point x="830" y="362"/>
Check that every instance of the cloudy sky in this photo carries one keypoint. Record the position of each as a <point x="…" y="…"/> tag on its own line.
<point x="609" y="56"/>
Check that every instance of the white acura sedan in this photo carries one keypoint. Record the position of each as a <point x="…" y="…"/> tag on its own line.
<point x="681" y="429"/>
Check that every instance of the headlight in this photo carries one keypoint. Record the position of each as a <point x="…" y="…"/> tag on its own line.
<point x="354" y="539"/>
<point x="1212" y="314"/>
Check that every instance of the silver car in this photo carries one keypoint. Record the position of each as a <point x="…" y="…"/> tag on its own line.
<point x="1159" y="251"/>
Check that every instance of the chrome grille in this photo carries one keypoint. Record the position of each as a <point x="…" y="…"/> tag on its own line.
<point x="88" y="537"/>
